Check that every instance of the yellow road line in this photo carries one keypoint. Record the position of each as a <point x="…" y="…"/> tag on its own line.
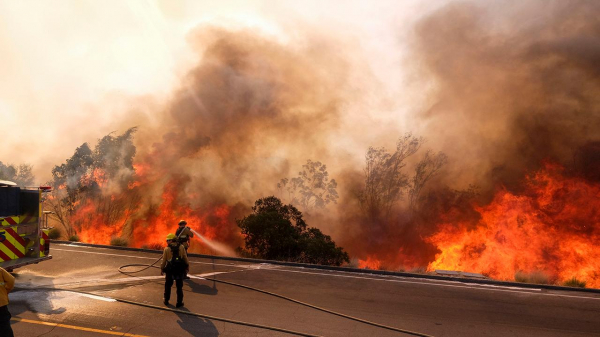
<point x="107" y="332"/>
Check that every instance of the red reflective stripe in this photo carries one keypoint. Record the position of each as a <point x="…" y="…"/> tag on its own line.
<point x="15" y="236"/>
<point x="14" y="249"/>
<point x="26" y="219"/>
<point x="3" y="256"/>
<point x="10" y="221"/>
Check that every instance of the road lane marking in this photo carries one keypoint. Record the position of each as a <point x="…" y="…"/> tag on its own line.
<point x="129" y="279"/>
<point x="153" y="258"/>
<point x="95" y="297"/>
<point x="434" y="283"/>
<point x="75" y="327"/>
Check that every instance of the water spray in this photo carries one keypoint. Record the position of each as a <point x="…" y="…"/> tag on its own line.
<point x="216" y="246"/>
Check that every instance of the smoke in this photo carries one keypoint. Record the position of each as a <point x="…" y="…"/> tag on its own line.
<point x="249" y="113"/>
<point x="248" y="108"/>
<point x="513" y="85"/>
<point x="505" y="86"/>
<point x="509" y="87"/>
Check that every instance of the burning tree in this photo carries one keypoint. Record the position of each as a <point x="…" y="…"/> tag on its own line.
<point x="385" y="183"/>
<point x="87" y="188"/>
<point x="312" y="188"/>
<point x="276" y="231"/>
<point x="425" y="170"/>
<point x="21" y="174"/>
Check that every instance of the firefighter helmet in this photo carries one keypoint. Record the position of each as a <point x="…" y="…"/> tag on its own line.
<point x="170" y="236"/>
<point x="182" y="222"/>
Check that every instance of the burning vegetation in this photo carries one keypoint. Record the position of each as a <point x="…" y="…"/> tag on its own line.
<point x="507" y="182"/>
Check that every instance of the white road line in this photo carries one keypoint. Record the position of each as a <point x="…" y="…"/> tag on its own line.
<point x="122" y="280"/>
<point x="434" y="283"/>
<point x="101" y="298"/>
<point x="154" y="258"/>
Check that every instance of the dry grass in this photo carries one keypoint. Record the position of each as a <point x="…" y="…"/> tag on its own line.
<point x="535" y="277"/>
<point x="118" y="241"/>
<point x="574" y="282"/>
<point x="154" y="246"/>
<point x="418" y="270"/>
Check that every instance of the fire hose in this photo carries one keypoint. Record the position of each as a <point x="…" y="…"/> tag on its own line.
<point x="215" y="318"/>
<point x="153" y="265"/>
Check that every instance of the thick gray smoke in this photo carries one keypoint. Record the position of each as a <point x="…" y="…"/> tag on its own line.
<point x="513" y="85"/>
<point x="250" y="112"/>
<point x="510" y="86"/>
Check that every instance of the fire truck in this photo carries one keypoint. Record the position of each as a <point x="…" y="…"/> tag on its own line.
<point x="23" y="241"/>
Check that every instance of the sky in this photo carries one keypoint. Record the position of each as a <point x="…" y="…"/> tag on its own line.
<point x="73" y="71"/>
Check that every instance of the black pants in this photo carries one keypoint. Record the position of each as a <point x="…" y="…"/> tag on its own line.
<point x="178" y="283"/>
<point x="5" y="329"/>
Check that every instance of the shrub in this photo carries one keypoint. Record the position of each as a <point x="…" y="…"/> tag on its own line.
<point x="574" y="282"/>
<point x="275" y="231"/>
<point x="54" y="233"/>
<point x="118" y="241"/>
<point x="74" y="238"/>
<point x="536" y="277"/>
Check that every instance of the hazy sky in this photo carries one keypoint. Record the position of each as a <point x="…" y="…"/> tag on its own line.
<point x="73" y="71"/>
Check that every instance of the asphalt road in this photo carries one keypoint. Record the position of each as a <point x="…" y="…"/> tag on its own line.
<point x="432" y="307"/>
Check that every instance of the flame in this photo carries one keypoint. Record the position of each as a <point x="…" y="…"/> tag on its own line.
<point x="553" y="226"/>
<point x="370" y="263"/>
<point x="99" y="218"/>
<point x="152" y="229"/>
<point x="91" y="228"/>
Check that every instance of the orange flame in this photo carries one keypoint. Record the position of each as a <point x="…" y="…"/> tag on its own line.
<point x="554" y="226"/>
<point x="92" y="228"/>
<point x="102" y="217"/>
<point x="370" y="263"/>
<point x="153" y="229"/>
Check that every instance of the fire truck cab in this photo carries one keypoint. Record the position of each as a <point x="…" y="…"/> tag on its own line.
<point x="23" y="241"/>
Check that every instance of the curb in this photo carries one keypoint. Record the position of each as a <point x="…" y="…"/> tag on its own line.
<point x="348" y="269"/>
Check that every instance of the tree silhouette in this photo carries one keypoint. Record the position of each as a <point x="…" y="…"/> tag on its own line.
<point x="312" y="188"/>
<point x="21" y="175"/>
<point x="385" y="182"/>
<point x="276" y="231"/>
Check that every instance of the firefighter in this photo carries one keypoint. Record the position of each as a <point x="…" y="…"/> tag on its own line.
<point x="7" y="282"/>
<point x="184" y="234"/>
<point x="174" y="266"/>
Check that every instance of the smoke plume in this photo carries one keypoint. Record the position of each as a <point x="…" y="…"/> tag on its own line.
<point x="512" y="87"/>
<point x="245" y="116"/>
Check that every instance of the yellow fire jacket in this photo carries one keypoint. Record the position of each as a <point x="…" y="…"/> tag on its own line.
<point x="7" y="283"/>
<point x="168" y="255"/>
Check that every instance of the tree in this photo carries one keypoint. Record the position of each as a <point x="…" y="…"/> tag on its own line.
<point x="97" y="178"/>
<point x="21" y="175"/>
<point x="276" y="231"/>
<point x="312" y="188"/>
<point x="424" y="171"/>
<point x="385" y="182"/>
<point x="320" y="249"/>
